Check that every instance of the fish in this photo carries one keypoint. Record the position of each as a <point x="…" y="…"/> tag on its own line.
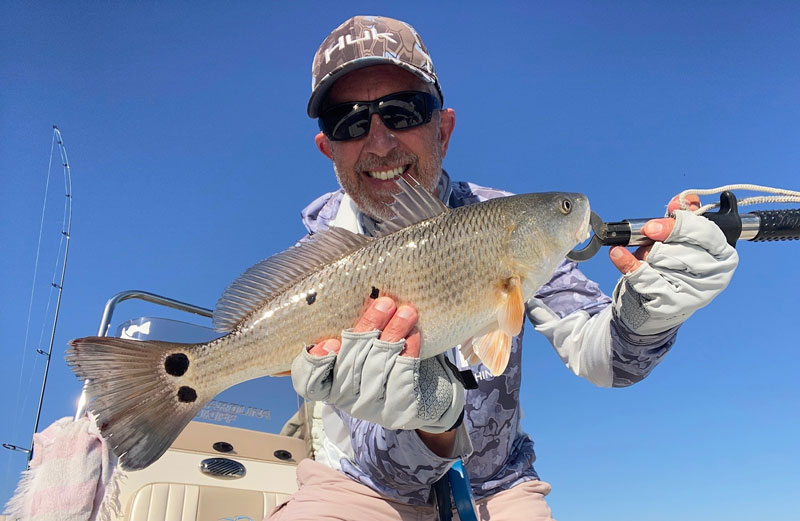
<point x="467" y="270"/>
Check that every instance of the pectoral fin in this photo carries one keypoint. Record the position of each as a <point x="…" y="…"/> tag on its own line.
<point x="510" y="306"/>
<point x="493" y="349"/>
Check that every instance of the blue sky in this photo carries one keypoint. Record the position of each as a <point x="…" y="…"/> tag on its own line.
<point x="192" y="157"/>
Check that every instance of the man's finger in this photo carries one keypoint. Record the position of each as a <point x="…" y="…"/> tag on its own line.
<point x="659" y="229"/>
<point x="623" y="259"/>
<point x="331" y="345"/>
<point x="400" y="324"/>
<point x="412" y="346"/>
<point x="376" y="316"/>
<point x="692" y="201"/>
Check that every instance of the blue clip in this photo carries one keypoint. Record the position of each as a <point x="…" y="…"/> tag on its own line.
<point x="462" y="492"/>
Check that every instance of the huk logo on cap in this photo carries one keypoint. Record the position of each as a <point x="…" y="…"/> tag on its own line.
<point x="369" y="34"/>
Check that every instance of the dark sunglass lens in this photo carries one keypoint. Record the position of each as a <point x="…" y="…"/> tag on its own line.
<point x="353" y="126"/>
<point x="346" y="122"/>
<point x="404" y="111"/>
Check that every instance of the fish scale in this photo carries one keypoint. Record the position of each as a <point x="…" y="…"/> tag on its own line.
<point x="468" y="272"/>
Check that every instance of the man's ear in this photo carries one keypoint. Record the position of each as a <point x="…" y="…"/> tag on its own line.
<point x="324" y="145"/>
<point x="447" y="122"/>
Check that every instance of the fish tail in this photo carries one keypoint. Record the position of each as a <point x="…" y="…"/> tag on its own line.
<point x="144" y="392"/>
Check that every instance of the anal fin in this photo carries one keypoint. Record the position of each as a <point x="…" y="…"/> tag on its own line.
<point x="468" y="353"/>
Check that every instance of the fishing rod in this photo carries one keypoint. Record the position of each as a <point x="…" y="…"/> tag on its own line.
<point x="757" y="226"/>
<point x="66" y="230"/>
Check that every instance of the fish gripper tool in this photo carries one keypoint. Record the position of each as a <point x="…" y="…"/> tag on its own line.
<point x="757" y="226"/>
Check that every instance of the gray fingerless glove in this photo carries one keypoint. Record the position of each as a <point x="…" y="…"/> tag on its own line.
<point x="681" y="275"/>
<point x="371" y="381"/>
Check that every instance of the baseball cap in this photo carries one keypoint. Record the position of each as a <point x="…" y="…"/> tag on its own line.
<point x="363" y="41"/>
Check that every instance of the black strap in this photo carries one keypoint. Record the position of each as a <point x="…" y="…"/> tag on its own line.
<point x="441" y="494"/>
<point x="458" y="422"/>
<point x="466" y="377"/>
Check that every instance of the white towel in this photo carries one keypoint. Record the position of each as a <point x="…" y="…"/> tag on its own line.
<point x="68" y="476"/>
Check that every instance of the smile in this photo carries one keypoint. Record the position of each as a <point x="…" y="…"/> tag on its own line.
<point x="385" y="175"/>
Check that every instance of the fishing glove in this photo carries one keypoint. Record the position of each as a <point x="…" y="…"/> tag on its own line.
<point x="680" y="275"/>
<point x="369" y="380"/>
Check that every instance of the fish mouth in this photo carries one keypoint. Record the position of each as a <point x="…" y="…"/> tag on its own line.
<point x="584" y="230"/>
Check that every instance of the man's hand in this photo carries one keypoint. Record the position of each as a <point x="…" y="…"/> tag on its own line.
<point x="374" y="373"/>
<point x="664" y="283"/>
<point x="393" y="323"/>
<point x="656" y="229"/>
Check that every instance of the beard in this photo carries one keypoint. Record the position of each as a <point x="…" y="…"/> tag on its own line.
<point x="376" y="204"/>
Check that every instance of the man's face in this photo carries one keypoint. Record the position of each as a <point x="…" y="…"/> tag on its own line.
<point x="366" y="167"/>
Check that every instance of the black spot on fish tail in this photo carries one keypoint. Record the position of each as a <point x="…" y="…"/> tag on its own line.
<point x="375" y="292"/>
<point x="176" y="364"/>
<point x="187" y="394"/>
<point x="311" y="297"/>
<point x="127" y="386"/>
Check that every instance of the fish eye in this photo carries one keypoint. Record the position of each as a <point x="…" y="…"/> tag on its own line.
<point x="566" y="206"/>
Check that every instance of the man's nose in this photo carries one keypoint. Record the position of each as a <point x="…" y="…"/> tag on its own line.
<point x="380" y="140"/>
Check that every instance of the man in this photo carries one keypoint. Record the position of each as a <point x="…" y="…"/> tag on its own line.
<point x="378" y="101"/>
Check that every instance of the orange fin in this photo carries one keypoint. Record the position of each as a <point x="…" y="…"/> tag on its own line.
<point x="468" y="353"/>
<point x="283" y="373"/>
<point x="493" y="349"/>
<point x="511" y="306"/>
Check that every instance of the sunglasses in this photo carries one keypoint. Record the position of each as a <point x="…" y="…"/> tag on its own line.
<point x="398" y="111"/>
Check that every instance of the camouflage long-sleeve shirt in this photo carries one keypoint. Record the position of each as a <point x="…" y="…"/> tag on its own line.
<point x="570" y="310"/>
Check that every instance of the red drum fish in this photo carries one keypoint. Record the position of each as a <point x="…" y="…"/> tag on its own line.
<point x="468" y="271"/>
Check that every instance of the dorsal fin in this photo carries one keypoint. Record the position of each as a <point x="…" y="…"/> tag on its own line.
<point x="269" y="277"/>
<point x="411" y="205"/>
